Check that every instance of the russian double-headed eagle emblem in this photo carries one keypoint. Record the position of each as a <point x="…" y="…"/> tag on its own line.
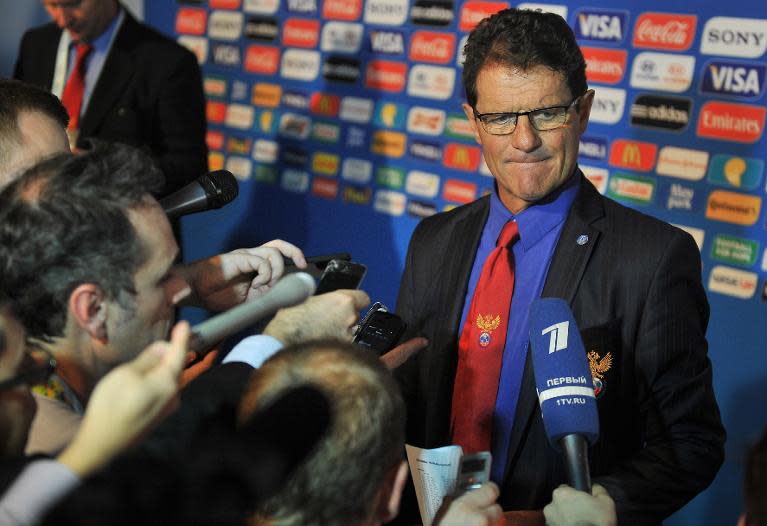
<point x="487" y="324"/>
<point x="599" y="366"/>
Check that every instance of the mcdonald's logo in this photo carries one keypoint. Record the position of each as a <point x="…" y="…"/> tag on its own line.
<point x="462" y="157"/>
<point x="634" y="155"/>
<point x="325" y="104"/>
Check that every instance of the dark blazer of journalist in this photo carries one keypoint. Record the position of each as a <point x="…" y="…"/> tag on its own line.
<point x="149" y="94"/>
<point x="635" y="290"/>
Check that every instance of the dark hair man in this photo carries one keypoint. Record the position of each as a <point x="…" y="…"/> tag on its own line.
<point x="632" y="281"/>
<point x="126" y="404"/>
<point x="86" y="257"/>
<point x="121" y="81"/>
<point x="32" y="124"/>
<point x="356" y="474"/>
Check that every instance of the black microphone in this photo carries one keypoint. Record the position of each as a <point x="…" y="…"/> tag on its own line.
<point x="288" y="291"/>
<point x="209" y="191"/>
<point x="565" y="387"/>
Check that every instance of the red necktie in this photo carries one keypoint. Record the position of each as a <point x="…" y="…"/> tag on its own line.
<point x="72" y="98"/>
<point x="480" y="348"/>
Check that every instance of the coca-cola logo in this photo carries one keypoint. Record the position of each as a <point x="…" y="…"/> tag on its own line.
<point x="665" y="31"/>
<point x="428" y="46"/>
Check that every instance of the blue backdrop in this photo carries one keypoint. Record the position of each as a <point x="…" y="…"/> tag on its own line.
<point x="342" y="120"/>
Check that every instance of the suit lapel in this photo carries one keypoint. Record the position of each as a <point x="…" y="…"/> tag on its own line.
<point x="464" y="240"/>
<point x="568" y="264"/>
<point x="118" y="70"/>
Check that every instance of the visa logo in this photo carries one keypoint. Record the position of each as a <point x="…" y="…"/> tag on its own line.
<point x="389" y="42"/>
<point x="734" y="78"/>
<point x="593" y="148"/>
<point x="601" y="25"/>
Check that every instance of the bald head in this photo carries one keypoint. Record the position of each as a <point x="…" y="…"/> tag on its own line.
<point x="32" y="127"/>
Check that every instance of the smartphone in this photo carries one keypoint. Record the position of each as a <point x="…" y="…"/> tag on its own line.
<point x="379" y="330"/>
<point x="340" y="274"/>
<point x="473" y="471"/>
<point x="316" y="264"/>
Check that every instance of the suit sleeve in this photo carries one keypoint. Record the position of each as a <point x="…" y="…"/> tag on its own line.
<point x="178" y="134"/>
<point x="407" y="374"/>
<point x="682" y="430"/>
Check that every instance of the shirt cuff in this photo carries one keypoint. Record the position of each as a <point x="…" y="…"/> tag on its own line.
<point x="39" y="487"/>
<point x="254" y="350"/>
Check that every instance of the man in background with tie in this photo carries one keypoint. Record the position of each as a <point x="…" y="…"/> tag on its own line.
<point x="632" y="281"/>
<point x="120" y="81"/>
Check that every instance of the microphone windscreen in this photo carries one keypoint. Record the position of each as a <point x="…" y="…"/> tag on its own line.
<point x="220" y="186"/>
<point x="562" y="374"/>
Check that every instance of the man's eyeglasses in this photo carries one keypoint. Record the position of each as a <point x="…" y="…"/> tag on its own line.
<point x="542" y="119"/>
<point x="31" y="373"/>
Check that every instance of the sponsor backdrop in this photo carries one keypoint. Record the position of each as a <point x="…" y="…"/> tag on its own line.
<point x="342" y="121"/>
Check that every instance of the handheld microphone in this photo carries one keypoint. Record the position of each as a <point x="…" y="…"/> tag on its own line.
<point x="565" y="387"/>
<point x="288" y="291"/>
<point x="209" y="191"/>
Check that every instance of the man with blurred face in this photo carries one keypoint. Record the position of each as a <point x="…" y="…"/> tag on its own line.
<point x="632" y="281"/>
<point x="84" y="20"/>
<point x="86" y="256"/>
<point x="120" y="81"/>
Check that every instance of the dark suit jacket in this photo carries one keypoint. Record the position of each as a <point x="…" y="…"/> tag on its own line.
<point x="635" y="290"/>
<point x="149" y="94"/>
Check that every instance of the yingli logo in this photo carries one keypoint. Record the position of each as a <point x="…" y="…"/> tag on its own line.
<point x="731" y="122"/>
<point x="605" y="66"/>
<point x="191" y="21"/>
<point x="732" y="207"/>
<point x="474" y="12"/>
<point x="386" y="75"/>
<point x="299" y="32"/>
<point x="634" y="155"/>
<point x="262" y="59"/>
<point x="665" y="31"/>
<point x="428" y="46"/>
<point x="342" y="9"/>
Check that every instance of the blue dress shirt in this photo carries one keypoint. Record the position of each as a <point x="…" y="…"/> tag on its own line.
<point x="539" y="229"/>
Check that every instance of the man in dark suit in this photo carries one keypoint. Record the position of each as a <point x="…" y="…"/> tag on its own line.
<point x="139" y="87"/>
<point x="632" y="281"/>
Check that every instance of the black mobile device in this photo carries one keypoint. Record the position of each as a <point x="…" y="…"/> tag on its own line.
<point x="379" y="330"/>
<point x="316" y="264"/>
<point x="339" y="274"/>
<point x="473" y="471"/>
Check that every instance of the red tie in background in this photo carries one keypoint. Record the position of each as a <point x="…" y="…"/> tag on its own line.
<point x="72" y="98"/>
<point x="480" y="348"/>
